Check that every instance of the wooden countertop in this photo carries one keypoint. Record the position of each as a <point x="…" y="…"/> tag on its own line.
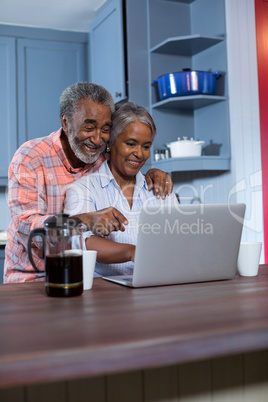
<point x="112" y="328"/>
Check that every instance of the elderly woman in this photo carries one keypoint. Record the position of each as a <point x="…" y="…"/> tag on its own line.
<point x="118" y="183"/>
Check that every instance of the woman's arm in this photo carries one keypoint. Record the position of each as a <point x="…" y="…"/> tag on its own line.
<point x="80" y="202"/>
<point x="110" y="252"/>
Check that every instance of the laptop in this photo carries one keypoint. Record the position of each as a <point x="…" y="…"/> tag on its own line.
<point x="185" y="244"/>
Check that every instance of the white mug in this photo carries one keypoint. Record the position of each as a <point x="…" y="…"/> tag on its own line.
<point x="249" y="258"/>
<point x="89" y="262"/>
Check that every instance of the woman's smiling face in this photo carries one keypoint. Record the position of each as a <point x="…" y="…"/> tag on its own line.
<point x="130" y="151"/>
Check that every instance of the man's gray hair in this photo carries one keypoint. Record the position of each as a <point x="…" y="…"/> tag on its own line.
<point x="71" y="96"/>
<point x="129" y="113"/>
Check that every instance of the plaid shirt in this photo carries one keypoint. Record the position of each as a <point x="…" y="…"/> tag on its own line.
<point x="37" y="179"/>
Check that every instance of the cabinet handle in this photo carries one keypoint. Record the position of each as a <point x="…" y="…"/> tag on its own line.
<point x="118" y="94"/>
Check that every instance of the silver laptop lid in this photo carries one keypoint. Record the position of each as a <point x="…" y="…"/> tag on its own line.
<point x="187" y="243"/>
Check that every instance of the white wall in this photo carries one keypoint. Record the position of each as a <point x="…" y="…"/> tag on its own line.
<point x="244" y="113"/>
<point x="244" y="182"/>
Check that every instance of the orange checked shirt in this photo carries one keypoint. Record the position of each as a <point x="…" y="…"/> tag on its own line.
<point x="37" y="179"/>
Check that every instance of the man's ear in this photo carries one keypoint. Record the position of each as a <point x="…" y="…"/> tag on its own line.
<point x="64" y="123"/>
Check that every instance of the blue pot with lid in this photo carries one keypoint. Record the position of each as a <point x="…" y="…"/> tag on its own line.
<point x="186" y="82"/>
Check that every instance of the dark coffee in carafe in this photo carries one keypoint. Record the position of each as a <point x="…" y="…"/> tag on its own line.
<point x="64" y="275"/>
<point x="62" y="249"/>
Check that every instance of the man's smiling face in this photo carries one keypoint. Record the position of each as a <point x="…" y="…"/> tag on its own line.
<point x="89" y="131"/>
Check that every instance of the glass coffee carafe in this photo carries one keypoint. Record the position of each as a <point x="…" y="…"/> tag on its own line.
<point x="63" y="252"/>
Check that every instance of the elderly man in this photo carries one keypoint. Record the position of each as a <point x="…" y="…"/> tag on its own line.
<point x="42" y="168"/>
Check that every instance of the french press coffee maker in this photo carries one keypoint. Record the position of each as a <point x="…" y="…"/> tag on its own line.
<point x="63" y="252"/>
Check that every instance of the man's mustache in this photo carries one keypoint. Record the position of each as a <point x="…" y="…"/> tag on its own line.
<point x="94" y="146"/>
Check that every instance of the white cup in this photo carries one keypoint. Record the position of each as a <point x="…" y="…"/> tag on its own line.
<point x="249" y="258"/>
<point x="89" y="261"/>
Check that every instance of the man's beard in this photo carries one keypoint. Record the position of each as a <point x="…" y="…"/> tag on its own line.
<point x="77" y="148"/>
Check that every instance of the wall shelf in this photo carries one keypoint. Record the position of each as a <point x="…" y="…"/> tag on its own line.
<point x="190" y="164"/>
<point x="193" y="34"/>
<point x="186" y="45"/>
<point x="182" y="1"/>
<point x="188" y="102"/>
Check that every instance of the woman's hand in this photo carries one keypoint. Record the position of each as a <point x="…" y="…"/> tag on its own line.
<point x="160" y="182"/>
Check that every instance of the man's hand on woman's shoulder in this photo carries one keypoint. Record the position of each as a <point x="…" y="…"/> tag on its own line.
<point x="160" y="182"/>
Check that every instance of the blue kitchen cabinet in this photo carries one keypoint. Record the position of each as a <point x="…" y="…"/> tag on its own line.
<point x="36" y="66"/>
<point x="164" y="36"/>
<point x="8" y="104"/>
<point x="107" y="53"/>
<point x="118" y="51"/>
<point x="45" y="69"/>
<point x="192" y="35"/>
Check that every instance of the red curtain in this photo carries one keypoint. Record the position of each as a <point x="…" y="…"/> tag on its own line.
<point x="261" y="15"/>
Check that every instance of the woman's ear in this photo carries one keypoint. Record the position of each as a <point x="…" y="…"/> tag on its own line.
<point x="64" y="123"/>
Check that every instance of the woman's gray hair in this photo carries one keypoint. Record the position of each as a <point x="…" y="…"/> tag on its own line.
<point x="71" y="96"/>
<point x="129" y="113"/>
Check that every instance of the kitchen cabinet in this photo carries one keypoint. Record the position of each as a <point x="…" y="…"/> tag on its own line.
<point x="37" y="65"/>
<point x="107" y="61"/>
<point x="173" y="35"/>
<point x="192" y="35"/>
<point x="118" y="51"/>
<point x="7" y="104"/>
<point x="42" y="76"/>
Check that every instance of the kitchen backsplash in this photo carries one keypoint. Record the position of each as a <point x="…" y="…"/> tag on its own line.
<point x="4" y="211"/>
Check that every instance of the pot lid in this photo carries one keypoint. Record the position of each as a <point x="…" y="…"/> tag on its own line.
<point x="191" y="140"/>
<point x="185" y="141"/>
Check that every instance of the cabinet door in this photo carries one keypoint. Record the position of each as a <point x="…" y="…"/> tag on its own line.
<point x="45" y="69"/>
<point x="8" y="113"/>
<point x="107" y="66"/>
